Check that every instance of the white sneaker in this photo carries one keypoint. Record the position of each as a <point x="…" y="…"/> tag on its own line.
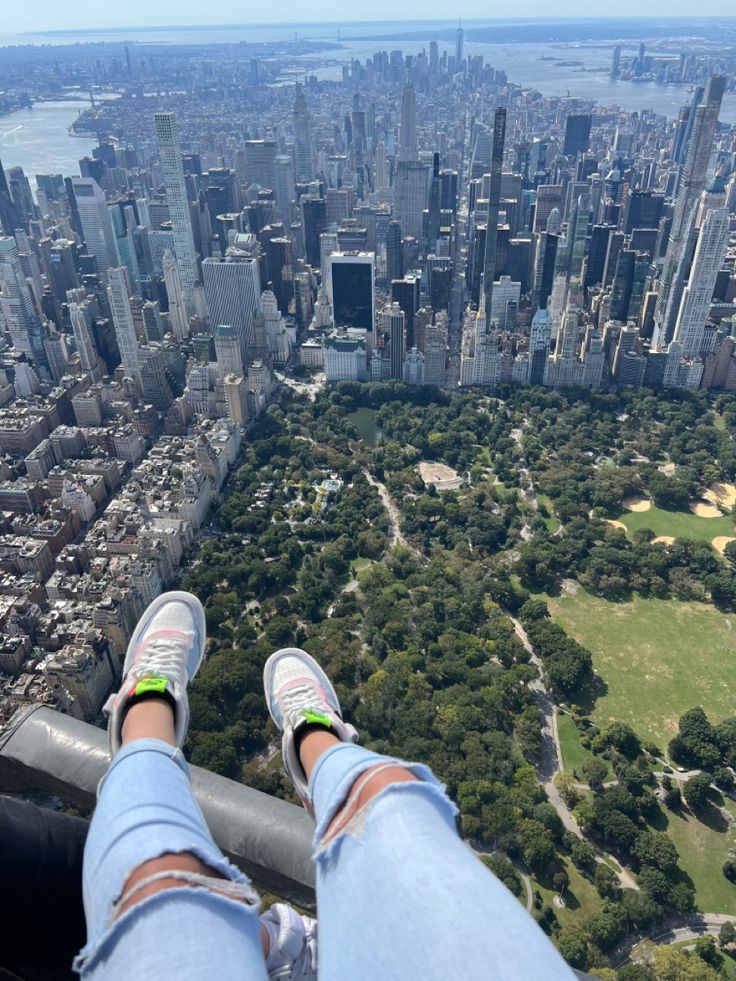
<point x="299" y="693"/>
<point x="164" y="654"/>
<point x="293" y="944"/>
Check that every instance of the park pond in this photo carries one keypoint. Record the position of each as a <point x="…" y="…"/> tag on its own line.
<point x="364" y="421"/>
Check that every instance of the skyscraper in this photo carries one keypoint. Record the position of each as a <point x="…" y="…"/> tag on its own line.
<point x="410" y="197"/>
<point x="284" y="188"/>
<point x="433" y="214"/>
<point x="177" y="307"/>
<point x="89" y="358"/>
<point x="643" y="210"/>
<point x="539" y="338"/>
<point x="494" y="195"/>
<point x="303" y="153"/>
<point x="118" y="295"/>
<point x="435" y="355"/>
<point x="177" y="199"/>
<point x="616" y="62"/>
<point x="20" y="192"/>
<point x="314" y="216"/>
<point x="381" y="178"/>
<point x="459" y="38"/>
<point x="627" y="290"/>
<point x="670" y="285"/>
<point x="408" y="126"/>
<point x="577" y="134"/>
<point x="697" y="295"/>
<point x="393" y="326"/>
<point x="394" y="265"/>
<point x="353" y="285"/>
<point x="227" y="348"/>
<point x="260" y="158"/>
<point x="8" y="213"/>
<point x="94" y="217"/>
<point x="232" y="289"/>
<point x="16" y="303"/>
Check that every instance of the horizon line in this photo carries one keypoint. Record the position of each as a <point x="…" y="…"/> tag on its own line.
<point x="154" y="28"/>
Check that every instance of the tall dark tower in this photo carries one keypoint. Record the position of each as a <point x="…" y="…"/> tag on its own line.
<point x="433" y="214"/>
<point x="9" y="220"/>
<point x="494" y="197"/>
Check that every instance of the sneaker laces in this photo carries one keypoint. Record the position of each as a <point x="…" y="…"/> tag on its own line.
<point x="306" y="962"/>
<point x="304" y="696"/>
<point x="165" y="654"/>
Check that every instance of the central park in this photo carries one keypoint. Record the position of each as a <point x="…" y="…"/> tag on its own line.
<point x="480" y="575"/>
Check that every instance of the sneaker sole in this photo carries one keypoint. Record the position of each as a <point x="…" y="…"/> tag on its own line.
<point x="324" y="682"/>
<point x="152" y="609"/>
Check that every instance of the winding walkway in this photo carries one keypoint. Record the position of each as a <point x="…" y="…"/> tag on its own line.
<point x="550" y="761"/>
<point x="395" y="536"/>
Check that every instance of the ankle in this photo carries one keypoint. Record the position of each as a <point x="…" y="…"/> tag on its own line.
<point x="312" y="741"/>
<point x="149" y="718"/>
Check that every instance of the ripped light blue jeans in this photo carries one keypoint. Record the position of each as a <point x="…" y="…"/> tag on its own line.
<point x="399" y="895"/>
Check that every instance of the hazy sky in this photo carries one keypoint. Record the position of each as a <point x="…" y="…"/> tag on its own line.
<point x="43" y="15"/>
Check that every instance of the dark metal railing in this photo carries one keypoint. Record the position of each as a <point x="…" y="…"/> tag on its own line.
<point x="267" y="838"/>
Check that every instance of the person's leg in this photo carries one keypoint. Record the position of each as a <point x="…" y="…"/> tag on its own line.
<point x="41" y="862"/>
<point x="160" y="899"/>
<point x="399" y="894"/>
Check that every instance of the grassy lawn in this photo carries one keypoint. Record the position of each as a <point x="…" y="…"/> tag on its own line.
<point x="358" y="565"/>
<point x="678" y="524"/>
<point x="581" y="897"/>
<point x="727" y="966"/>
<point x="703" y="849"/>
<point x="657" y="657"/>
<point x="573" y="754"/>
<point x="552" y="522"/>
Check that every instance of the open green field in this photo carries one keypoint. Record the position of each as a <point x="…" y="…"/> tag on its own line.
<point x="359" y="565"/>
<point x="657" y="657"/>
<point x="552" y="521"/>
<point x="703" y="848"/>
<point x="581" y="896"/>
<point x="573" y="753"/>
<point x="678" y="524"/>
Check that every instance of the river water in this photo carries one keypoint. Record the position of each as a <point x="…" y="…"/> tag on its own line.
<point x="38" y="139"/>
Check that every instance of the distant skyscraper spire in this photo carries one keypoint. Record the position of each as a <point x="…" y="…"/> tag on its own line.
<point x="303" y="156"/>
<point x="670" y="287"/>
<point x="494" y="197"/>
<point x="459" y="39"/>
<point x="408" y="134"/>
<point x="177" y="198"/>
